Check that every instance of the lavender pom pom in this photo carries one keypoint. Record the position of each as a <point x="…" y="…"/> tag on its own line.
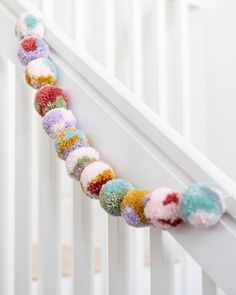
<point x="57" y="120"/>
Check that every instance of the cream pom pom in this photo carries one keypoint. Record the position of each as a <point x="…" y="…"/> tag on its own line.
<point x="94" y="176"/>
<point x="78" y="159"/>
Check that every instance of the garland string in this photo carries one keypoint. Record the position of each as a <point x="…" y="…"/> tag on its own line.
<point x="201" y="205"/>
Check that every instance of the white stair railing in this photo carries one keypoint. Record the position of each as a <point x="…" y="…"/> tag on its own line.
<point x="165" y="157"/>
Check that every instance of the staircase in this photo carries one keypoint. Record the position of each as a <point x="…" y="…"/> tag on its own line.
<point x="151" y="154"/>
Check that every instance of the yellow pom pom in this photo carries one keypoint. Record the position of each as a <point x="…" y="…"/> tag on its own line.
<point x="132" y="207"/>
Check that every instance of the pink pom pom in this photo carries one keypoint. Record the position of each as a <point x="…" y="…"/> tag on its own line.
<point x="162" y="208"/>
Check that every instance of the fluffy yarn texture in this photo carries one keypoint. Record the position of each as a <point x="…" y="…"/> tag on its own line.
<point x="49" y="97"/>
<point x="40" y="71"/>
<point x="32" y="47"/>
<point x="56" y="120"/>
<point x="132" y="207"/>
<point x="202" y="205"/>
<point x="162" y="208"/>
<point x="29" y="24"/>
<point x="94" y="176"/>
<point x="68" y="140"/>
<point x="78" y="159"/>
<point x="111" y="195"/>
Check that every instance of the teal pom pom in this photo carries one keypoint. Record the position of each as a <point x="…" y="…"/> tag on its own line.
<point x="29" y="24"/>
<point x="111" y="195"/>
<point x="202" y="205"/>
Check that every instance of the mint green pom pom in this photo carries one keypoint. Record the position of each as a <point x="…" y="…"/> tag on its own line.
<point x="111" y="195"/>
<point x="202" y="205"/>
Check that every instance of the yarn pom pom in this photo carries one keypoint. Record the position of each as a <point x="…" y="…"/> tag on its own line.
<point x="49" y="97"/>
<point x="78" y="159"/>
<point x="94" y="176"/>
<point x="29" y="24"/>
<point x="111" y="195"/>
<point x="202" y="205"/>
<point x="32" y="47"/>
<point x="68" y="140"/>
<point x="132" y="207"/>
<point x="57" y="120"/>
<point x="162" y="208"/>
<point x="40" y="71"/>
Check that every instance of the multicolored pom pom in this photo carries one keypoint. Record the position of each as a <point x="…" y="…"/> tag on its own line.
<point x="41" y="71"/>
<point x="29" y="24"/>
<point x="112" y="194"/>
<point x="78" y="159"/>
<point x="202" y="205"/>
<point x="68" y="140"/>
<point x="162" y="208"/>
<point x="94" y="176"/>
<point x="49" y="97"/>
<point x="56" y="120"/>
<point x="132" y="207"/>
<point x="32" y="47"/>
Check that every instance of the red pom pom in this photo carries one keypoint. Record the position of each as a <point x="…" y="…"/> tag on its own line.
<point x="48" y="98"/>
<point x="29" y="43"/>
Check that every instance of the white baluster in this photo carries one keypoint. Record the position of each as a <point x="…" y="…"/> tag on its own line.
<point x="160" y="56"/>
<point x="183" y="63"/>
<point x="162" y="268"/>
<point x="135" y="29"/>
<point x="80" y="23"/>
<point x="119" y="257"/>
<point x="6" y="177"/>
<point x="23" y="176"/>
<point x="83" y="243"/>
<point x="49" y="216"/>
<point x="110" y="36"/>
<point x="208" y="285"/>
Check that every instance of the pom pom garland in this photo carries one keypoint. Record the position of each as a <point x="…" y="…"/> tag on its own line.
<point x="111" y="195"/>
<point x="68" y="140"/>
<point x="94" y="176"/>
<point x="56" y="120"/>
<point x="202" y="205"/>
<point x="29" y="24"/>
<point x="32" y="47"/>
<point x="49" y="97"/>
<point x="162" y="208"/>
<point x="40" y="71"/>
<point x="78" y="159"/>
<point x="132" y="207"/>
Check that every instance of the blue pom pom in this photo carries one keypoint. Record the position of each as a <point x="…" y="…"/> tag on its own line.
<point x="202" y="205"/>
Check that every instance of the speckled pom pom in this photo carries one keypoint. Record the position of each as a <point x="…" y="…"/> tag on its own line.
<point x="57" y="120"/>
<point x="78" y="159"/>
<point x="68" y="140"/>
<point x="132" y="207"/>
<point x="111" y="195"/>
<point x="41" y="71"/>
<point x="49" y="97"/>
<point x="29" y="24"/>
<point x="202" y="205"/>
<point x="162" y="208"/>
<point x="94" y="176"/>
<point x="32" y="47"/>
